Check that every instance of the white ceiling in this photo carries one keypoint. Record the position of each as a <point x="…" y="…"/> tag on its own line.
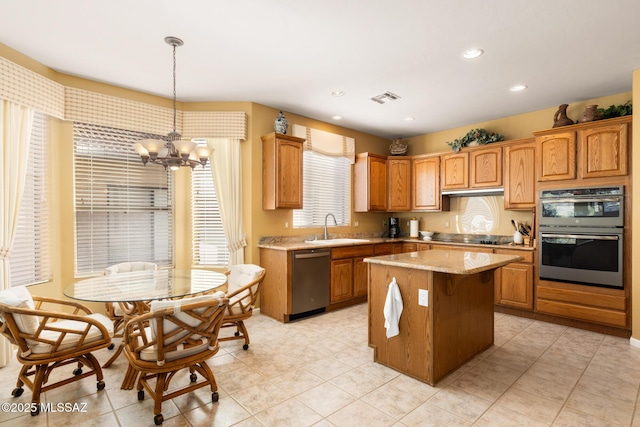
<point x="291" y="54"/>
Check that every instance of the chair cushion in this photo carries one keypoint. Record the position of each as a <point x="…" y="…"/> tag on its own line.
<point x="150" y="354"/>
<point x="19" y="296"/>
<point x="241" y="274"/>
<point x="169" y="326"/>
<point x="125" y="267"/>
<point x="71" y="340"/>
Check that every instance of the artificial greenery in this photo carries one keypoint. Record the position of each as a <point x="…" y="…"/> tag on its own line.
<point x="616" y="110"/>
<point x="479" y="135"/>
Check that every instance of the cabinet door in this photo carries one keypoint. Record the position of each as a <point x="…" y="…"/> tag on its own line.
<point x="514" y="285"/>
<point x="424" y="246"/>
<point x="360" y="277"/>
<point x="556" y="156"/>
<point x="399" y="176"/>
<point x="409" y="247"/>
<point x="520" y="176"/>
<point x="341" y="279"/>
<point x="397" y="248"/>
<point x="485" y="168"/>
<point x="426" y="184"/>
<point x="377" y="184"/>
<point x="455" y="171"/>
<point x="289" y="181"/>
<point x="603" y="151"/>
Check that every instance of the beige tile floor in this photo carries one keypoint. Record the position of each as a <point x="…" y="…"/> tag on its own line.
<point x="319" y="371"/>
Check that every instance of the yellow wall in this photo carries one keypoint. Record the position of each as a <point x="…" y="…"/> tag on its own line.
<point x="635" y="213"/>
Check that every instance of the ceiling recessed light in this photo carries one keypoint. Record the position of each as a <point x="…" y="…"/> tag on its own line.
<point x="409" y="119"/>
<point x="337" y="117"/>
<point x="518" y="88"/>
<point x="472" y="53"/>
<point x="337" y="93"/>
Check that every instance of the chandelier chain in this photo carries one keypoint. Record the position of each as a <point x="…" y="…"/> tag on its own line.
<point x="174" y="89"/>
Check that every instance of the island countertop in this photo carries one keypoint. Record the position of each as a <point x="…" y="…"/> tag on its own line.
<point x="452" y="262"/>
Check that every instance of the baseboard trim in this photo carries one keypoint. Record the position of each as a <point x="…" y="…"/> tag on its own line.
<point x="634" y="342"/>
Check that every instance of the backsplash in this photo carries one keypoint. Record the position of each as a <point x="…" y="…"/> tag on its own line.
<point x="483" y="215"/>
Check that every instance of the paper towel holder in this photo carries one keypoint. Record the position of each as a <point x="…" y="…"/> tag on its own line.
<point x="413" y="227"/>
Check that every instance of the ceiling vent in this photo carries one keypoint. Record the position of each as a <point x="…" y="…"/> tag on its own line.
<point x="385" y="97"/>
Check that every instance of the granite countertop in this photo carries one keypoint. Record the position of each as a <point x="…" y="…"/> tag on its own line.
<point x="295" y="243"/>
<point x="443" y="261"/>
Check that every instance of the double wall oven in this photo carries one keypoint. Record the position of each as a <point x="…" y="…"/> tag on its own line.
<point x="581" y="236"/>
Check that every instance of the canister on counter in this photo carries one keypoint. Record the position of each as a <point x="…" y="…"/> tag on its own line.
<point x="413" y="227"/>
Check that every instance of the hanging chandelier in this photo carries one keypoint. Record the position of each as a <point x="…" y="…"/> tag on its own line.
<point x="172" y="152"/>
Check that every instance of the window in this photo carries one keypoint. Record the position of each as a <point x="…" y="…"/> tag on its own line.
<point x="30" y="255"/>
<point x="208" y="239"/>
<point x="123" y="209"/>
<point x="326" y="189"/>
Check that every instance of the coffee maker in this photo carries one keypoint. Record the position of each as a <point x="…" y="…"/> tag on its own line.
<point x="394" y="227"/>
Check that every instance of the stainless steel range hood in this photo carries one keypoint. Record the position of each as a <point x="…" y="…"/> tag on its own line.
<point x="476" y="192"/>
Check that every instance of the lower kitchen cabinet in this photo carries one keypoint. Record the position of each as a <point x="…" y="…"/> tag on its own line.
<point x="349" y="272"/>
<point x="514" y="282"/>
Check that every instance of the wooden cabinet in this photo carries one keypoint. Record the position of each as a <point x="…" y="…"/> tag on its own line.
<point x="349" y="272"/>
<point x="556" y="156"/>
<point x="588" y="150"/>
<point x="424" y="247"/>
<point x="370" y="183"/>
<point x="520" y="175"/>
<point x="455" y="171"/>
<point x="409" y="247"/>
<point x="425" y="173"/>
<point x="399" y="181"/>
<point x="485" y="167"/>
<point x="603" y="150"/>
<point x="514" y="282"/>
<point x="281" y="171"/>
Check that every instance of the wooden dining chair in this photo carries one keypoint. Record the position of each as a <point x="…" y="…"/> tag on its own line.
<point x="115" y="311"/>
<point x="48" y="340"/>
<point x="175" y="335"/>
<point x="243" y="286"/>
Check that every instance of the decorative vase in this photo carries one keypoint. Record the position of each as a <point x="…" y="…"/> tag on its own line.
<point x="590" y="114"/>
<point x="398" y="147"/>
<point x="281" y="124"/>
<point x="560" y="117"/>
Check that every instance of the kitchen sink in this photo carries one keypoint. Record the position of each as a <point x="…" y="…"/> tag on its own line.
<point x="335" y="241"/>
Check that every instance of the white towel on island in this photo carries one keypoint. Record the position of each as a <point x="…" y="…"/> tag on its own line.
<point x="392" y="309"/>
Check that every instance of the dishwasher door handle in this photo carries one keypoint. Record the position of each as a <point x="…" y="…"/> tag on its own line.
<point x="312" y="255"/>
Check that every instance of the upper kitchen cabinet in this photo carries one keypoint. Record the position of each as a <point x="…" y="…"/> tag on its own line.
<point x="455" y="171"/>
<point x="370" y="183"/>
<point x="603" y="150"/>
<point x="556" y="155"/>
<point x="425" y="173"/>
<point x="601" y="147"/>
<point x="485" y="167"/>
<point x="399" y="177"/>
<point x="520" y="175"/>
<point x="281" y="171"/>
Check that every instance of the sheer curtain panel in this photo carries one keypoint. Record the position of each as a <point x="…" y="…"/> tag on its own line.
<point x="226" y="168"/>
<point x="15" y="134"/>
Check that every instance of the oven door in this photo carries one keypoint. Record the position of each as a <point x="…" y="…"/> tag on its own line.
<point x="584" y="256"/>
<point x="583" y="211"/>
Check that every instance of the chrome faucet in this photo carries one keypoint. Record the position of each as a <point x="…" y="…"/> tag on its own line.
<point x="326" y="236"/>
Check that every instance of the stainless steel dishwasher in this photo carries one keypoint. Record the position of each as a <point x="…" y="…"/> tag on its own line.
<point x="310" y="287"/>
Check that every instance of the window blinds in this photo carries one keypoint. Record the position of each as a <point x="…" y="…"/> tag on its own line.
<point x="326" y="189"/>
<point x="123" y="209"/>
<point x="208" y="239"/>
<point x="30" y="255"/>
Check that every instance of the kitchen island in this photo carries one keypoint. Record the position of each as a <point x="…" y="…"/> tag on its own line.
<point x="445" y="327"/>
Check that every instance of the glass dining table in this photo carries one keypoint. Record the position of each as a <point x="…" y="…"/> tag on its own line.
<point x="134" y="290"/>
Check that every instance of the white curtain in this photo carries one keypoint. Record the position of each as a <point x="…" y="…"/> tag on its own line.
<point x="227" y="172"/>
<point x="15" y="133"/>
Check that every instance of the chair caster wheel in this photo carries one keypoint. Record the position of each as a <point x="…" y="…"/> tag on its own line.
<point x="77" y="371"/>
<point x="193" y="378"/>
<point x="158" y="419"/>
<point x="245" y="347"/>
<point x="215" y="396"/>
<point x="17" y="392"/>
<point x="101" y="385"/>
<point x="36" y="411"/>
<point x="111" y="346"/>
<point x="141" y="395"/>
<point x="237" y="334"/>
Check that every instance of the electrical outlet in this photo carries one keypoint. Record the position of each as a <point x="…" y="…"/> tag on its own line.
<point x="286" y="224"/>
<point x="446" y="224"/>
<point x="355" y="224"/>
<point x="423" y="297"/>
<point x="384" y="222"/>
